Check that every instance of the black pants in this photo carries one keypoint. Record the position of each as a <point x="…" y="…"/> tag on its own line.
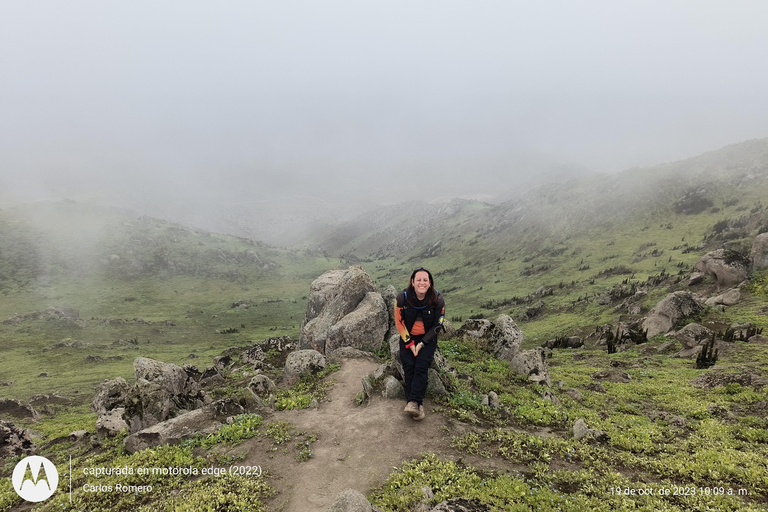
<point x="415" y="369"/>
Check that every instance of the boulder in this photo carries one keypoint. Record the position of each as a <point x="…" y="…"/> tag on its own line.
<point x="111" y="423"/>
<point x="435" y="386"/>
<point x="14" y="441"/>
<point x="759" y="253"/>
<point x="109" y="395"/>
<point x="302" y="362"/>
<point x="350" y="500"/>
<point x="173" y="431"/>
<point x="338" y="355"/>
<point x="574" y="394"/>
<point x="493" y="400"/>
<point x="162" y="390"/>
<point x="693" y="335"/>
<point x="394" y="350"/>
<point x="344" y="309"/>
<point x="531" y="364"/>
<point x="670" y="310"/>
<point x="696" y="278"/>
<point x="667" y="347"/>
<point x="393" y="388"/>
<point x="262" y="385"/>
<point x="364" y="328"/>
<point x="506" y="338"/>
<point x="612" y="376"/>
<point x="724" y="270"/>
<point x="729" y="298"/>
<point x="475" y="328"/>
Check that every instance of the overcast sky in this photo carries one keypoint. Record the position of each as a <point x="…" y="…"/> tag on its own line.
<point x="251" y="99"/>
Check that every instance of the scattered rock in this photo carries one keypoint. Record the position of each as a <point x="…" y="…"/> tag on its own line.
<point x="173" y="431"/>
<point x="729" y="298"/>
<point x="612" y="376"/>
<point x="350" y="500"/>
<point x="111" y="423"/>
<point x="574" y="393"/>
<point x="493" y="400"/>
<point x="688" y="353"/>
<point x="549" y="395"/>
<point x="344" y="309"/>
<point x="393" y="388"/>
<point x="726" y="271"/>
<point x="475" y="328"/>
<point x="531" y="364"/>
<point x="581" y="431"/>
<point x="596" y="387"/>
<point x="693" y="335"/>
<point x="302" y="362"/>
<point x="667" y="347"/>
<point x="696" y="278"/>
<point x="670" y="310"/>
<point x="14" y="441"/>
<point x="460" y="505"/>
<point x="262" y="385"/>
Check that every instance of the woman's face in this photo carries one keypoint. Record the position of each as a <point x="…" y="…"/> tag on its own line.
<point x="420" y="283"/>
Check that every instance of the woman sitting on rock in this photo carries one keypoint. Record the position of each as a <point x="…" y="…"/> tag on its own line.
<point x="419" y="314"/>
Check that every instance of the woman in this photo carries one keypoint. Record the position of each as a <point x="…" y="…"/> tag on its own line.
<point x="419" y="315"/>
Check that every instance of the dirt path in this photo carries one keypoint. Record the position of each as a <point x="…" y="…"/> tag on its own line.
<point x="357" y="447"/>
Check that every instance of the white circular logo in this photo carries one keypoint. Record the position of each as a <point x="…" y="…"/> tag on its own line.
<point x="35" y="478"/>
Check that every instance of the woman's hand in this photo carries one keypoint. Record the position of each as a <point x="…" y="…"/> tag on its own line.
<point x="416" y="348"/>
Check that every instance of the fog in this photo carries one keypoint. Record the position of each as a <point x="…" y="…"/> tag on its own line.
<point x="197" y="105"/>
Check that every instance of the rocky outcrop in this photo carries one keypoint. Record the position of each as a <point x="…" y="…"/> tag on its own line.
<point x="161" y="390"/>
<point x="390" y="297"/>
<point x="344" y="309"/>
<point x="14" y="441"/>
<point x="727" y="271"/>
<point x="262" y="385"/>
<point x="759" y="253"/>
<point x="670" y="310"/>
<point x="506" y="338"/>
<point x="475" y="328"/>
<point x="302" y="362"/>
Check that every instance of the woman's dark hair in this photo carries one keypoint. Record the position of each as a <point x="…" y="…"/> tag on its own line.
<point x="431" y="296"/>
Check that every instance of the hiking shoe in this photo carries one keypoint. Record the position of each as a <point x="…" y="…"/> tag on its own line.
<point x="412" y="408"/>
<point x="419" y="416"/>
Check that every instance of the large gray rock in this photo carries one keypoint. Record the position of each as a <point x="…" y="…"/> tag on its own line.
<point x="435" y="386"/>
<point x="725" y="271"/>
<point x="531" y="364"/>
<point x="334" y="296"/>
<point x="262" y="385"/>
<point x="302" y="362"/>
<point x="364" y="328"/>
<point x="109" y="395"/>
<point x="729" y="298"/>
<point x="671" y="309"/>
<point x="693" y="335"/>
<point x="393" y="388"/>
<point x="476" y="328"/>
<point x="162" y="390"/>
<point x="111" y="423"/>
<point x="506" y="338"/>
<point x="173" y="431"/>
<point x="759" y="253"/>
<point x="350" y="500"/>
